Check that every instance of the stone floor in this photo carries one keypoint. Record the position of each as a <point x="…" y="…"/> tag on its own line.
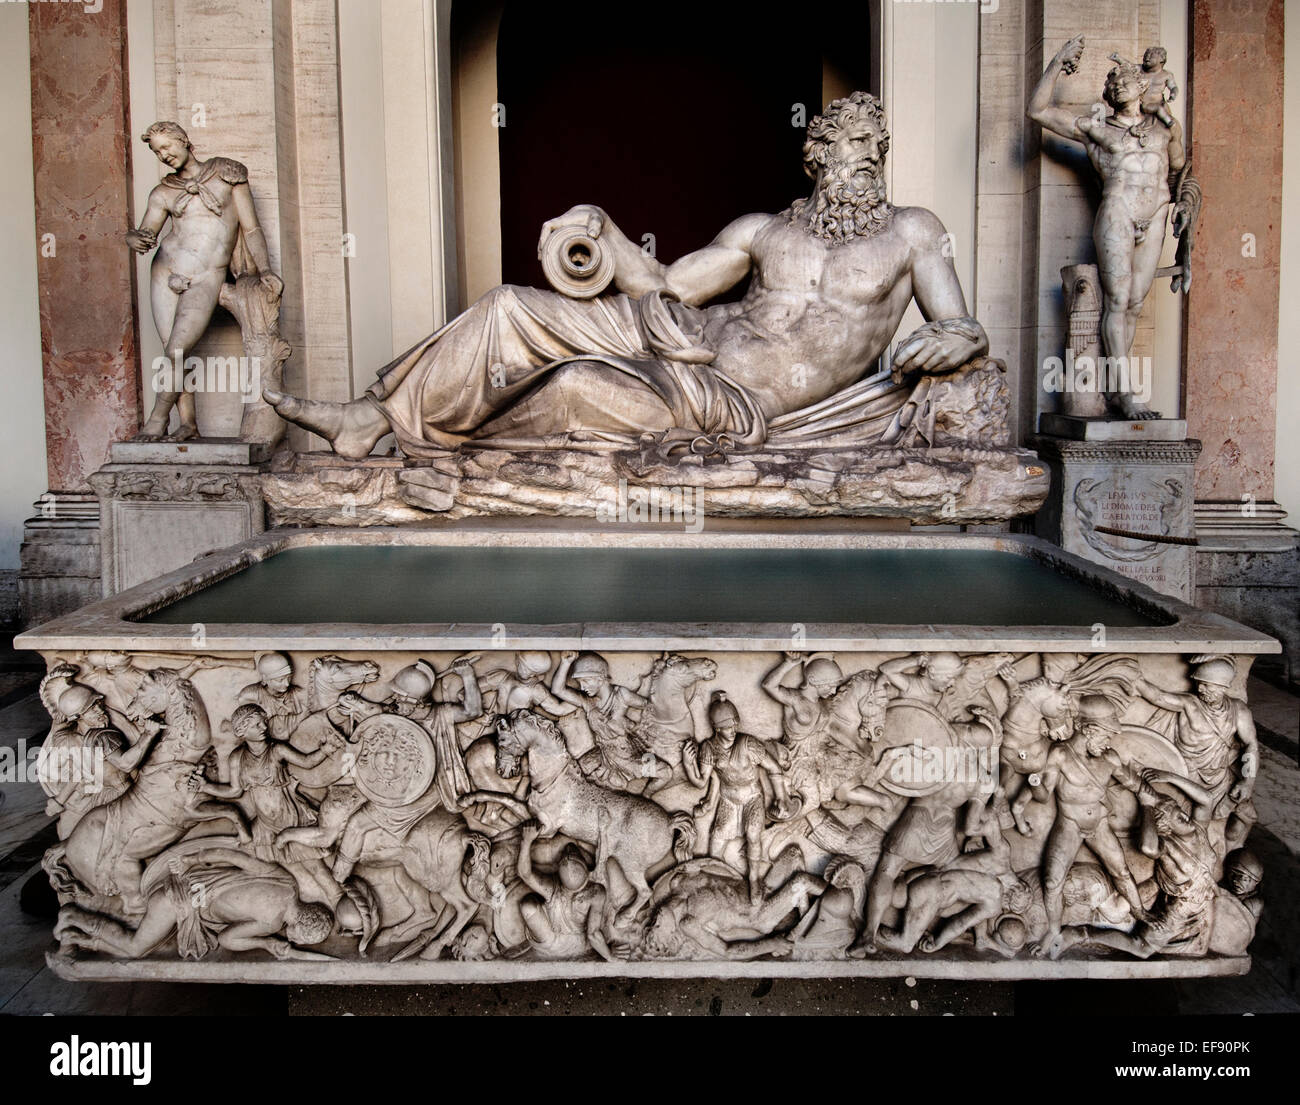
<point x="27" y="986"/>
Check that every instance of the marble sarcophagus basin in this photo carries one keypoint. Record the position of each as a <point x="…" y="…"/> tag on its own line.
<point x="468" y="754"/>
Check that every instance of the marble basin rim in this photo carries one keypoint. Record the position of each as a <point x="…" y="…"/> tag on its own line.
<point x="108" y="624"/>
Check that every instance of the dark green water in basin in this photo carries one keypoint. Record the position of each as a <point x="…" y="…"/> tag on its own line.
<point x="412" y="585"/>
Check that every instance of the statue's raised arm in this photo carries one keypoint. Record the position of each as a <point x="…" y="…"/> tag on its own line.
<point x="1064" y="121"/>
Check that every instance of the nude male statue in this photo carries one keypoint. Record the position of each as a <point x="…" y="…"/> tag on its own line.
<point x="831" y="277"/>
<point x="1080" y="771"/>
<point x="214" y="228"/>
<point x="1140" y="161"/>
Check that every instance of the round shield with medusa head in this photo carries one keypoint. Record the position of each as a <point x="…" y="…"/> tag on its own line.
<point x="397" y="760"/>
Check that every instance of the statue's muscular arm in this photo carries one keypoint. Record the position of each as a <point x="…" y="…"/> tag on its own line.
<point x="145" y="237"/>
<point x="254" y="238"/>
<point x="951" y="337"/>
<point x="1065" y="121"/>
<point x="1248" y="763"/>
<point x="693" y="279"/>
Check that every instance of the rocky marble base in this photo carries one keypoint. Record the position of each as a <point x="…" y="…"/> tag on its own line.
<point x="945" y="485"/>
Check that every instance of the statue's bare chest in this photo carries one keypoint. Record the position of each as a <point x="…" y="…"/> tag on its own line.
<point x="862" y="271"/>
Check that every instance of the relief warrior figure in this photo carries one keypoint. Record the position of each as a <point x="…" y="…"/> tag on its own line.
<point x="640" y="834"/>
<point x="669" y="688"/>
<point x="703" y="911"/>
<point x="214" y="227"/>
<point x="1207" y="727"/>
<point x="1040" y="711"/>
<point x="567" y="917"/>
<point x="524" y="688"/>
<point x="105" y="852"/>
<point x="88" y="757"/>
<point x="1181" y="919"/>
<point x="412" y="696"/>
<point x="730" y="765"/>
<point x="965" y="894"/>
<point x="806" y="722"/>
<point x="830" y="926"/>
<point x="923" y="677"/>
<point x="1080" y="772"/>
<point x="833" y="275"/>
<point x="928" y="831"/>
<point x="259" y="773"/>
<point x="620" y="757"/>
<point x="285" y="705"/>
<point x="209" y="894"/>
<point x="1141" y="161"/>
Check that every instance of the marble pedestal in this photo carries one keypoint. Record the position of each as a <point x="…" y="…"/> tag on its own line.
<point x="1248" y="569"/>
<point x="59" y="561"/>
<point x="1126" y="505"/>
<point x="163" y="505"/>
<point x="1076" y="428"/>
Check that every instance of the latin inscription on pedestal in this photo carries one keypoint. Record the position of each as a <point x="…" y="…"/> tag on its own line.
<point x="1126" y="506"/>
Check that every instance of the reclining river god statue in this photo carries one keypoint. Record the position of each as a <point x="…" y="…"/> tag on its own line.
<point x="830" y="279"/>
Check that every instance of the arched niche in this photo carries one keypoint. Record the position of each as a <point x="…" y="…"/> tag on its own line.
<point x="677" y="128"/>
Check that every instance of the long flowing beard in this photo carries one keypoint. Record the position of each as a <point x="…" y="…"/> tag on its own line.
<point x="849" y="204"/>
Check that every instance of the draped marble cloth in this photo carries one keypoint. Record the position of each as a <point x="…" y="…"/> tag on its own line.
<point x="478" y="377"/>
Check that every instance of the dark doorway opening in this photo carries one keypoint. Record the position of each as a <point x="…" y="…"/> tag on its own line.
<point x="675" y="125"/>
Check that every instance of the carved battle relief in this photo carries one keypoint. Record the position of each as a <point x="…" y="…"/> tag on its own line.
<point x="629" y="807"/>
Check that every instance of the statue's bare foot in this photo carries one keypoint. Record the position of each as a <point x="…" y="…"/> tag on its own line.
<point x="351" y="428"/>
<point x="860" y="949"/>
<point x="151" y="431"/>
<point x="1131" y="407"/>
<point x="1050" y="947"/>
<point x="186" y="431"/>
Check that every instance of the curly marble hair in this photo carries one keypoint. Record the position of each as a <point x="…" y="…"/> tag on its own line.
<point x="1125" y="69"/>
<point x="310" y="924"/>
<point x="825" y="128"/>
<point x="166" y="129"/>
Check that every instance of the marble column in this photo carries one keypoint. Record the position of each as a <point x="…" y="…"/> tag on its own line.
<point x="80" y="138"/>
<point x="1248" y="566"/>
<point x="81" y="163"/>
<point x="1231" y="367"/>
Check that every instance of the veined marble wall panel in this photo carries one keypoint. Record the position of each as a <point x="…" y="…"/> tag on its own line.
<point x="308" y="129"/>
<point x="1232" y="371"/>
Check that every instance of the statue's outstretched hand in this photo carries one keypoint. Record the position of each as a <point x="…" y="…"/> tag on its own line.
<point x="586" y="215"/>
